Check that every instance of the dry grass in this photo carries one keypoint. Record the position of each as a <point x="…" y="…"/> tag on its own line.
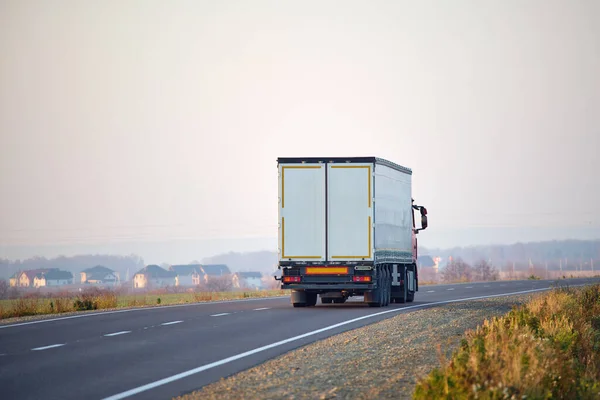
<point x="103" y="299"/>
<point x="547" y="348"/>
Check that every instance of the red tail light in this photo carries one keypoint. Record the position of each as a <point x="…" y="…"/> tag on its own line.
<point x="361" y="279"/>
<point x="291" y="279"/>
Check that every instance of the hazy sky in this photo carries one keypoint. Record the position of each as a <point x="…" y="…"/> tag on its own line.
<point x="163" y="120"/>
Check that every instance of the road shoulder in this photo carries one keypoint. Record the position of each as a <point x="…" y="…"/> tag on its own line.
<point x="382" y="360"/>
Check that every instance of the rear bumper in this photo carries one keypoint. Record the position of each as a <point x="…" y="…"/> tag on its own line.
<point x="326" y="287"/>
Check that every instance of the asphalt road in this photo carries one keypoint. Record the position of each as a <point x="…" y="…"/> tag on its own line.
<point x="159" y="353"/>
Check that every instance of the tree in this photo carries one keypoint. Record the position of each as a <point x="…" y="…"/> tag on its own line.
<point x="219" y="283"/>
<point x="484" y="271"/>
<point x="4" y="287"/>
<point x="457" y="271"/>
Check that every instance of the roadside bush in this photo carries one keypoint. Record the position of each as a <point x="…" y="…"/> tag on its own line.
<point x="95" y="299"/>
<point x="25" y="306"/>
<point x="84" y="304"/>
<point x="59" y="305"/>
<point x="548" y="348"/>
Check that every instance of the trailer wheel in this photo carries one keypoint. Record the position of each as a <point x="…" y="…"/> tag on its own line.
<point x="383" y="287"/>
<point x="311" y="299"/>
<point x="404" y="290"/>
<point x="387" y="288"/>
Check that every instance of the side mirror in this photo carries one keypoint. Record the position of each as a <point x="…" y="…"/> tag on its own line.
<point x="423" y="211"/>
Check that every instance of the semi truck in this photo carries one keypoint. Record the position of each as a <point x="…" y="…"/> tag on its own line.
<point x="347" y="228"/>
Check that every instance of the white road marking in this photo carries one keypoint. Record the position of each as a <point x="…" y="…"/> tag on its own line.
<point x="220" y="315"/>
<point x="469" y="287"/>
<point x="430" y="291"/>
<point x="48" y="347"/>
<point x="172" y="323"/>
<point x="227" y="360"/>
<point x="94" y="314"/>
<point x="117" y="333"/>
<point x="451" y="288"/>
<point x="263" y="308"/>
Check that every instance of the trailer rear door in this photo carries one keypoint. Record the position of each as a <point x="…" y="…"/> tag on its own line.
<point x="301" y="212"/>
<point x="350" y="212"/>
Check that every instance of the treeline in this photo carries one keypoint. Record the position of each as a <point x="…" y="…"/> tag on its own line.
<point x="75" y="264"/>
<point x="458" y="270"/>
<point x="568" y="254"/>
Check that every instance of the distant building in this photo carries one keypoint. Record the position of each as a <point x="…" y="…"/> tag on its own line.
<point x="153" y="276"/>
<point x="99" y="275"/>
<point x="428" y="268"/>
<point x="53" y="278"/>
<point x="187" y="275"/>
<point x="251" y="280"/>
<point x="425" y="262"/>
<point x="214" y="270"/>
<point x="14" y="280"/>
<point x="27" y="278"/>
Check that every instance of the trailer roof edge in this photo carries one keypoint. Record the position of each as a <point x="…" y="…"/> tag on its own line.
<point x="339" y="160"/>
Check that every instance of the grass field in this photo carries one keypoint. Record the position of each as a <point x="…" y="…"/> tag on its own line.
<point x="107" y="299"/>
<point x="548" y="348"/>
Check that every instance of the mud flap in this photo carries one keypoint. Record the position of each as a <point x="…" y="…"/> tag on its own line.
<point x="298" y="297"/>
<point x="411" y="280"/>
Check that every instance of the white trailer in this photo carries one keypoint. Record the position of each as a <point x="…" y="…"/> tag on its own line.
<point x="346" y="227"/>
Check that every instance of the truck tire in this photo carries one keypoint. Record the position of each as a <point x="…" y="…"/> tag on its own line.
<point x="311" y="299"/>
<point x="387" y="288"/>
<point x="377" y="294"/>
<point x="404" y="288"/>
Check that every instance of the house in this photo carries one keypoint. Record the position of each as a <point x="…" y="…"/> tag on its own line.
<point x="214" y="270"/>
<point x="13" y="280"/>
<point x="428" y="268"/>
<point x="250" y="279"/>
<point x="99" y="275"/>
<point x="26" y="278"/>
<point x="425" y="262"/>
<point x="153" y="276"/>
<point x="53" y="277"/>
<point x="187" y="275"/>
